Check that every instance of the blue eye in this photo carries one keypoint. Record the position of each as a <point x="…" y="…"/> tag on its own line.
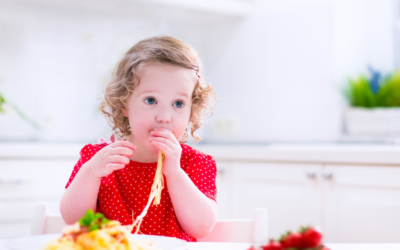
<point x="150" y="100"/>
<point x="178" y="104"/>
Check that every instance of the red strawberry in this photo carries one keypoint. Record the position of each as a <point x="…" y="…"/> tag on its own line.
<point x="252" y="248"/>
<point x="272" y="245"/>
<point x="311" y="237"/>
<point x="291" y="240"/>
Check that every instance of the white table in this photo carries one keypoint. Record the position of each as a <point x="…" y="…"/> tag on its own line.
<point x="245" y="246"/>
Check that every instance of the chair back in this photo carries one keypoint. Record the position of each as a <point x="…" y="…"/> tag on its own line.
<point x="46" y="222"/>
<point x="249" y="231"/>
<point x="230" y="231"/>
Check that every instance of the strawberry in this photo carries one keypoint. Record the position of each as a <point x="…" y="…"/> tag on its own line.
<point x="252" y="248"/>
<point x="291" y="240"/>
<point x="310" y="237"/>
<point x="272" y="245"/>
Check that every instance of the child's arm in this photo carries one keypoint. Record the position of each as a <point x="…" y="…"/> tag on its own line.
<point x="195" y="212"/>
<point x="81" y="194"/>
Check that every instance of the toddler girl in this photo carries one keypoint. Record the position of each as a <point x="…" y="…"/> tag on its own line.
<point x="155" y="97"/>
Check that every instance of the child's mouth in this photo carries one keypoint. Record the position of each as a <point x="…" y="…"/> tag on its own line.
<point x="155" y="129"/>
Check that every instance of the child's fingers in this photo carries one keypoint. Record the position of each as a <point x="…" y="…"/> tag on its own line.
<point x="122" y="151"/>
<point x="162" y="147"/>
<point x="164" y="133"/>
<point x="119" y="159"/>
<point x="114" y="166"/>
<point x="167" y="142"/>
<point x="123" y="143"/>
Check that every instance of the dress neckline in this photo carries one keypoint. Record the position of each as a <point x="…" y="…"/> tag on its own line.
<point x="142" y="164"/>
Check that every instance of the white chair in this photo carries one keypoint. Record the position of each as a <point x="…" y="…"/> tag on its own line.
<point x="46" y="222"/>
<point x="249" y="231"/>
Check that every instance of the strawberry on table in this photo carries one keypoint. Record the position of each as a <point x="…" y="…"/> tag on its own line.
<point x="272" y="245"/>
<point x="291" y="240"/>
<point x="310" y="237"/>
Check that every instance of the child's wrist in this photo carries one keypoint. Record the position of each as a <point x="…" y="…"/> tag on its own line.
<point x="173" y="174"/>
<point x="88" y="173"/>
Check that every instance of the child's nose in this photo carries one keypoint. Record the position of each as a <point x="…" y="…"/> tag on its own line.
<point x="163" y="116"/>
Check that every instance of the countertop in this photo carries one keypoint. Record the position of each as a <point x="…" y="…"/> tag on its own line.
<point x="309" y="153"/>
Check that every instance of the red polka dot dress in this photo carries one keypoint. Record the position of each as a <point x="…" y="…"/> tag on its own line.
<point x="125" y="192"/>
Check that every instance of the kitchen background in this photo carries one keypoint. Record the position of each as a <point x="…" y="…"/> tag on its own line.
<point x="279" y="67"/>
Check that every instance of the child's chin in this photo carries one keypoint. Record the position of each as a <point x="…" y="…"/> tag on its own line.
<point x="153" y="149"/>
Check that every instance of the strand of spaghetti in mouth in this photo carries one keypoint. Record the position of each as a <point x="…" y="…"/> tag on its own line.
<point x="155" y="193"/>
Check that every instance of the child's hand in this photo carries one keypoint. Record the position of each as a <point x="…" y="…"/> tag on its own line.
<point x="166" y="141"/>
<point x="110" y="158"/>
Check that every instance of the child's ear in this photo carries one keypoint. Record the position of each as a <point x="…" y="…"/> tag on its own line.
<point x="124" y="111"/>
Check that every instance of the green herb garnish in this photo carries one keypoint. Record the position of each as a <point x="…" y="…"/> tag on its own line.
<point x="93" y="221"/>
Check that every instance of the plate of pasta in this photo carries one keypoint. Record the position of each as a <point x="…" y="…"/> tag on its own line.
<point x="47" y="241"/>
<point x="95" y="232"/>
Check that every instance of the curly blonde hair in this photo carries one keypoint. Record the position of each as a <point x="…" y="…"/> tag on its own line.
<point x="162" y="49"/>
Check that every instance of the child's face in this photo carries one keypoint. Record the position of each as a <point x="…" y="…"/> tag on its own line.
<point x="163" y="99"/>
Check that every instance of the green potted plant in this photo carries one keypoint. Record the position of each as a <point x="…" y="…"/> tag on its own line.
<point x="373" y="104"/>
<point x="4" y="101"/>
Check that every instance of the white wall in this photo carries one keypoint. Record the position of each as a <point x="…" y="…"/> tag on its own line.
<point x="52" y="65"/>
<point x="280" y="75"/>
<point x="364" y="36"/>
<point x="54" y="61"/>
<point x="277" y="71"/>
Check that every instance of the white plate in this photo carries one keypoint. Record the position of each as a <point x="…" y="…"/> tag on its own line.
<point x="38" y="242"/>
<point x="162" y="242"/>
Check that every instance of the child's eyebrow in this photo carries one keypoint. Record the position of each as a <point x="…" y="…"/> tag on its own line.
<point x="155" y="91"/>
<point x="183" y="94"/>
<point x="147" y="92"/>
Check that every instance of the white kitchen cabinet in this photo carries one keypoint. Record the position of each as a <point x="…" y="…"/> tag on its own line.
<point x="361" y="203"/>
<point x="290" y="192"/>
<point x="39" y="178"/>
<point x="222" y="182"/>
<point x="25" y="182"/>
<point x="351" y="203"/>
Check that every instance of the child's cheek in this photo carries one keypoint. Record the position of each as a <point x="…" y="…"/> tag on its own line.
<point x="139" y="126"/>
<point x="179" y="129"/>
<point x="143" y="129"/>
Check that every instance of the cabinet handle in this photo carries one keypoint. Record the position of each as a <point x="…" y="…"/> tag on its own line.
<point x="16" y="181"/>
<point x="327" y="176"/>
<point x="311" y="175"/>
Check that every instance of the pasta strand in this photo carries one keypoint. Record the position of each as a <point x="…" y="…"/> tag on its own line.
<point x="155" y="193"/>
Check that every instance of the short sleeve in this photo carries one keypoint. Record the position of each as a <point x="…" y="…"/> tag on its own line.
<point x="202" y="170"/>
<point x="86" y="153"/>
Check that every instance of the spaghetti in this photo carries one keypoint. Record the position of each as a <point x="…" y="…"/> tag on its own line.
<point x="155" y="193"/>
<point x="111" y="236"/>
